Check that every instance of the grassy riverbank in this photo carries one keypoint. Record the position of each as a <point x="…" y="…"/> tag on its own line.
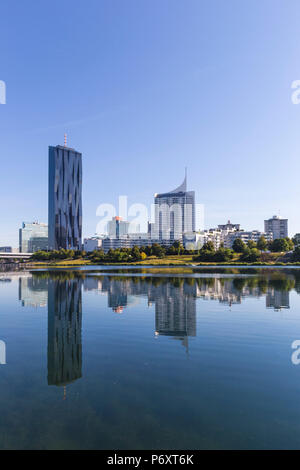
<point x="170" y="260"/>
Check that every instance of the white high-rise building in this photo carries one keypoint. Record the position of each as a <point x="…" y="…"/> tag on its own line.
<point x="174" y="213"/>
<point x="278" y="227"/>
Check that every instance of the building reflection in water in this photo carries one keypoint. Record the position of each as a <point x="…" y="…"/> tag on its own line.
<point x="33" y="291"/>
<point x="175" y="303"/>
<point x="64" y="331"/>
<point x="175" y="311"/>
<point x="120" y="293"/>
<point x="277" y="299"/>
<point x="174" y="298"/>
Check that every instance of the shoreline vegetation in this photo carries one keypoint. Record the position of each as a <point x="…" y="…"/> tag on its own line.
<point x="166" y="262"/>
<point x="280" y="252"/>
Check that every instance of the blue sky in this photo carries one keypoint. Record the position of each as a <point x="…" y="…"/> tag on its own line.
<point x="144" y="88"/>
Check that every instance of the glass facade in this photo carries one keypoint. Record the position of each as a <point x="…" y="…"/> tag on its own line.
<point x="33" y="237"/>
<point x="65" y="201"/>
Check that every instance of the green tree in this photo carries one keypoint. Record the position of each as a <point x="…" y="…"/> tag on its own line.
<point x="178" y="247"/>
<point x="238" y="246"/>
<point x="223" y="254"/>
<point x="262" y="243"/>
<point x="208" y="246"/>
<point x="250" y="255"/>
<point x="290" y="243"/>
<point x="207" y="252"/>
<point x="205" y="255"/>
<point x="251" y="244"/>
<point x="135" y="253"/>
<point x="296" y="254"/>
<point x="158" y="250"/>
<point x="279" y="245"/>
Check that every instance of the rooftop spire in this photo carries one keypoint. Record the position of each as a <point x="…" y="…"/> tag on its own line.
<point x="181" y="189"/>
<point x="65" y="140"/>
<point x="183" y="186"/>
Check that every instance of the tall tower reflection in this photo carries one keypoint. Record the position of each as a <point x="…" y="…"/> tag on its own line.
<point x="277" y="299"/>
<point x="175" y="311"/>
<point x="174" y="300"/>
<point x="64" y="331"/>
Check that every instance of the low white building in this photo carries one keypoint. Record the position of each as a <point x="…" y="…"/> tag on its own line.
<point x="92" y="244"/>
<point x="133" y="239"/>
<point x="254" y="236"/>
<point x="196" y="240"/>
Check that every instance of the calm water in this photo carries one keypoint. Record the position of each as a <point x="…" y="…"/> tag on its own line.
<point x="131" y="359"/>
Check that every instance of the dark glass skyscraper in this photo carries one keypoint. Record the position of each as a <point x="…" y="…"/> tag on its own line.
<point x="65" y="201"/>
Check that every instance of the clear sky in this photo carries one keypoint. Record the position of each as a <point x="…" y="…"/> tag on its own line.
<point x="144" y="88"/>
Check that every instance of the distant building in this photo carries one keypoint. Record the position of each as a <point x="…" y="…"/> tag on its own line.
<point x="229" y="226"/>
<point x="217" y="236"/>
<point x="174" y="213"/>
<point x="5" y="249"/>
<point x="278" y="227"/>
<point x="65" y="200"/>
<point x="151" y="228"/>
<point x="92" y="244"/>
<point x="117" y="227"/>
<point x="193" y="240"/>
<point x="126" y="241"/>
<point x="196" y="240"/>
<point x="133" y="239"/>
<point x="33" y="237"/>
<point x="254" y="236"/>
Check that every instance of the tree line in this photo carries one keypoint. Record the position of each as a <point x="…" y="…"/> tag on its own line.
<point x="113" y="255"/>
<point x="248" y="252"/>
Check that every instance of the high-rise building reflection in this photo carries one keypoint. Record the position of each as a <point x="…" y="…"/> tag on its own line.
<point x="175" y="297"/>
<point x="175" y="303"/>
<point x="33" y="291"/>
<point x="64" y="331"/>
<point x="175" y="311"/>
<point x="277" y="299"/>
